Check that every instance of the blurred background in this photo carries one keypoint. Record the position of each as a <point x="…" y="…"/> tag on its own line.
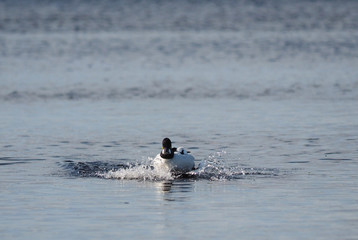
<point x="163" y="49"/>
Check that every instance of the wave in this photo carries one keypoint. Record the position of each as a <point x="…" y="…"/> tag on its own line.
<point x="13" y="160"/>
<point x="108" y="15"/>
<point x="214" y="168"/>
<point x="296" y="90"/>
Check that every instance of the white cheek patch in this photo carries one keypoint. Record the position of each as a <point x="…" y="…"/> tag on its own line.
<point x="166" y="152"/>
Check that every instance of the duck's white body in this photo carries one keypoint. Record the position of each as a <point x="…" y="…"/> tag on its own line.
<point x="182" y="162"/>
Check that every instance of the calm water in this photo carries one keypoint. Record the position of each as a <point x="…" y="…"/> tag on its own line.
<point x="264" y="95"/>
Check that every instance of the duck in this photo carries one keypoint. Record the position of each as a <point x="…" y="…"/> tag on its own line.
<point x="176" y="160"/>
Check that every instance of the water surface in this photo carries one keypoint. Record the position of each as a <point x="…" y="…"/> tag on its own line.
<point x="263" y="94"/>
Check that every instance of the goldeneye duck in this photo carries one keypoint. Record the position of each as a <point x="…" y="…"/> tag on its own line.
<point x="176" y="160"/>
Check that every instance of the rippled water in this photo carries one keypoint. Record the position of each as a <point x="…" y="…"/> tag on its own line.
<point x="263" y="94"/>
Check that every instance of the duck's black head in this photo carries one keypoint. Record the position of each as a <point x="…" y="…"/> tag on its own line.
<point x="166" y="143"/>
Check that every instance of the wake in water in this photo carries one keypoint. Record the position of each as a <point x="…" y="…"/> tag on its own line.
<point x="213" y="168"/>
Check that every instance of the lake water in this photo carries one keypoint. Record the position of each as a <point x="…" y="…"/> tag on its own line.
<point x="263" y="94"/>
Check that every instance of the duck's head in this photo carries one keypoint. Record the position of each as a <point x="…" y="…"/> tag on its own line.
<point x="166" y="143"/>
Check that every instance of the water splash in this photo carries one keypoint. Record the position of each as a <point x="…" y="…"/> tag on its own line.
<point x="112" y="170"/>
<point x="138" y="172"/>
<point x="214" y="168"/>
<point x="91" y="169"/>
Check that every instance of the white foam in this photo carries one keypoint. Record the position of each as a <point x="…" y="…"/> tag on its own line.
<point x="140" y="172"/>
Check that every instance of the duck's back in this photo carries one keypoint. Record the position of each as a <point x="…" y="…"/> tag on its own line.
<point x="179" y="163"/>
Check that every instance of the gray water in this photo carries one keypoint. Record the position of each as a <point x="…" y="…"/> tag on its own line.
<point x="263" y="93"/>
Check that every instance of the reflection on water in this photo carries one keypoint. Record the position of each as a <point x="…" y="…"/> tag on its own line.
<point x="165" y="186"/>
<point x="175" y="190"/>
